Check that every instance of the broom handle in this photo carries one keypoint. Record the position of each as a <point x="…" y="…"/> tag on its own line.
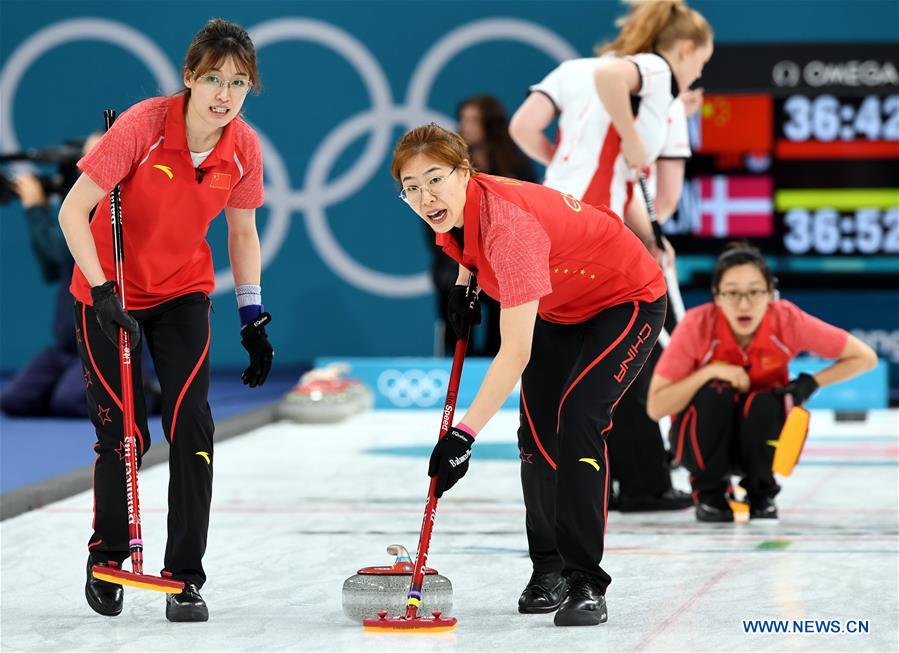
<point x="676" y="301"/>
<point x="413" y="600"/>
<point x="135" y="539"/>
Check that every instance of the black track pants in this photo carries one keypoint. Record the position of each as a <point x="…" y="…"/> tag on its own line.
<point x="637" y="455"/>
<point x="177" y="334"/>
<point x="576" y="375"/>
<point x="722" y="432"/>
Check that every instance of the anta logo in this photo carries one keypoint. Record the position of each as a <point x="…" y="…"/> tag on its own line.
<point x="203" y="455"/>
<point x="590" y="461"/>
<point x="166" y="169"/>
<point x="645" y="332"/>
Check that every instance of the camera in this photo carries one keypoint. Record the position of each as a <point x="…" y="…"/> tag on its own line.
<point x="65" y="157"/>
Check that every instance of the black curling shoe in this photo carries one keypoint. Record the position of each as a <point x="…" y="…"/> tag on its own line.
<point x="543" y="593"/>
<point x="186" y="606"/>
<point x="670" y="499"/>
<point x="709" y="513"/>
<point x="104" y="598"/>
<point x="584" y="604"/>
<point x="762" y="508"/>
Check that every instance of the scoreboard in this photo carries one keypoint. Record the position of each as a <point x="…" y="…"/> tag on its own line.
<point x="796" y="149"/>
<point x="839" y="173"/>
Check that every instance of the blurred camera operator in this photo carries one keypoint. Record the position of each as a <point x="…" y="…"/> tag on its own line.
<point x="52" y="383"/>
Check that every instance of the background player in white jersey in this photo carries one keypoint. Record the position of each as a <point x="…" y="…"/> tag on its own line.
<point x="613" y="110"/>
<point x="617" y="113"/>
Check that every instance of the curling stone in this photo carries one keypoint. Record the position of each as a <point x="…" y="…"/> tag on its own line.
<point x="323" y="396"/>
<point x="376" y="589"/>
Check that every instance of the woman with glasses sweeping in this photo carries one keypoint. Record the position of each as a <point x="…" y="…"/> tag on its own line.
<point x="179" y="161"/>
<point x="581" y="305"/>
<point x="724" y="378"/>
<point x="618" y="112"/>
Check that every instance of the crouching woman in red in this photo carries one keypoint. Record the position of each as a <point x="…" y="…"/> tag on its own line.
<point x="581" y="303"/>
<point x="724" y="379"/>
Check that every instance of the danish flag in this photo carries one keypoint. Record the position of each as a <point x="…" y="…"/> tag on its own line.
<point x="734" y="206"/>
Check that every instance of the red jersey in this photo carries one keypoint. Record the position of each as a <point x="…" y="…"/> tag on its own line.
<point x="167" y="204"/>
<point x="528" y="242"/>
<point x="704" y="336"/>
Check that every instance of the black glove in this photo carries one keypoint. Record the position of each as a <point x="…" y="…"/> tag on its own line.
<point x="802" y="387"/>
<point x="449" y="460"/>
<point x="462" y="311"/>
<point x="255" y="341"/>
<point x="111" y="315"/>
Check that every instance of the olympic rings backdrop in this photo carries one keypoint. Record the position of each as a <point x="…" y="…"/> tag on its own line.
<point x="344" y="261"/>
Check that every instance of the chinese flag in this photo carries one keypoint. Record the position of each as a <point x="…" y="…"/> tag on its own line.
<point x="736" y="123"/>
<point x="735" y="206"/>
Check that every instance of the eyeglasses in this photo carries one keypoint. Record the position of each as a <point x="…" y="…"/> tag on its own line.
<point x="734" y="297"/>
<point x="413" y="195"/>
<point x="236" y="86"/>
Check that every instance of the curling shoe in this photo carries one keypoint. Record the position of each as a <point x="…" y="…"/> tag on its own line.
<point x="543" y="593"/>
<point x="762" y="508"/>
<point x="718" y="513"/>
<point x="104" y="598"/>
<point x="583" y="604"/>
<point x="186" y="606"/>
<point x="670" y="499"/>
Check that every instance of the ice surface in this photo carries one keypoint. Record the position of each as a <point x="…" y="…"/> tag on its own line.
<point x="297" y="509"/>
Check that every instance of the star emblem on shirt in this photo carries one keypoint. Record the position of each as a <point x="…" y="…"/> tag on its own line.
<point x="78" y="335"/>
<point x="121" y="450"/>
<point x="525" y="457"/>
<point x="87" y="377"/>
<point x="103" y="414"/>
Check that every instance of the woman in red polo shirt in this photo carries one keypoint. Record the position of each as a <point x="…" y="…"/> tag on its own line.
<point x="724" y="377"/>
<point x="582" y="302"/>
<point x="179" y="160"/>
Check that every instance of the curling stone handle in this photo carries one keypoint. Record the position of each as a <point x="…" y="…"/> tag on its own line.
<point x="401" y="553"/>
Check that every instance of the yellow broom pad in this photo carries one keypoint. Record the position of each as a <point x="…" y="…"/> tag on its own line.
<point x="139" y="581"/>
<point x="738" y="506"/>
<point x="788" y="446"/>
<point x="388" y="629"/>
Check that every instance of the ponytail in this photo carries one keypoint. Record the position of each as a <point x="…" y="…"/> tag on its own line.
<point x="653" y="25"/>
